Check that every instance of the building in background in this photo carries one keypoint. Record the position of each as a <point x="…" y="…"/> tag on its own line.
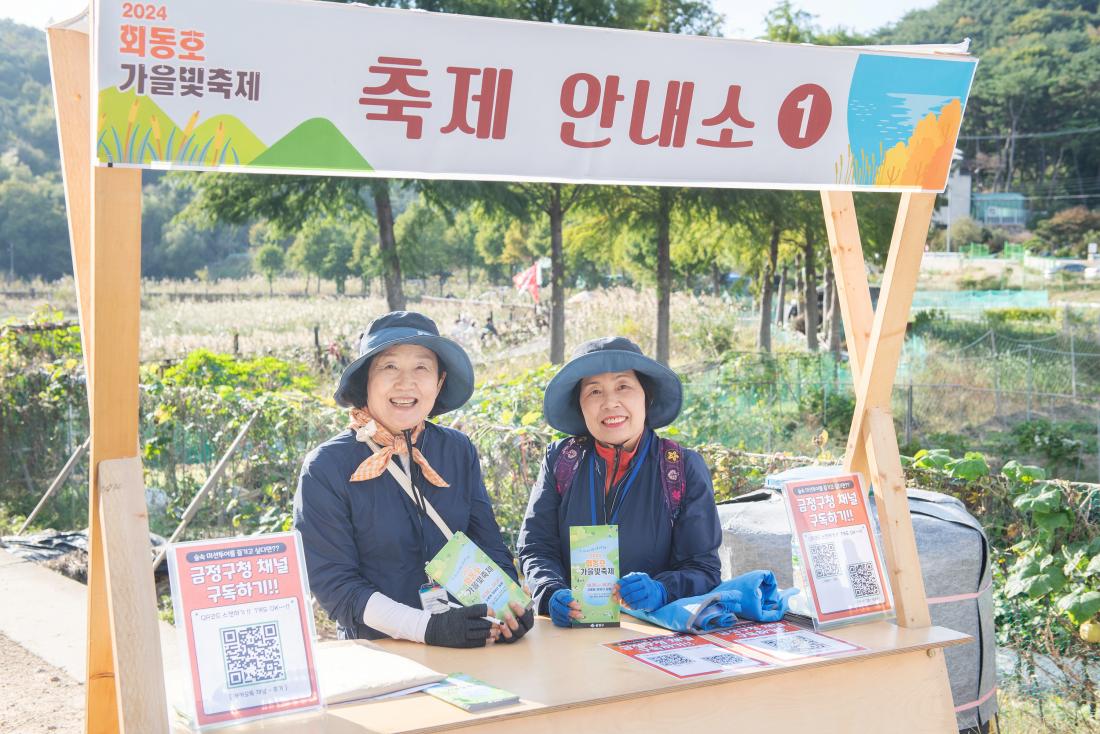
<point x="1006" y="209"/>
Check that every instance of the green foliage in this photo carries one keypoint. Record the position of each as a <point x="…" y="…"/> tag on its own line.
<point x="1055" y="443"/>
<point x="1023" y="83"/>
<point x="999" y="317"/>
<point x="220" y="372"/>
<point x="1046" y="551"/>
<point x="270" y="261"/>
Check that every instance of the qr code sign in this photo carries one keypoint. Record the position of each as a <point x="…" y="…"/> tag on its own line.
<point x="725" y="659"/>
<point x="863" y="579"/>
<point x="793" y="644"/>
<point x="670" y="659"/>
<point x="823" y="559"/>
<point x="253" y="654"/>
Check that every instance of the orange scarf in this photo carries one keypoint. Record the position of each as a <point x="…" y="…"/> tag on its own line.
<point x="365" y="428"/>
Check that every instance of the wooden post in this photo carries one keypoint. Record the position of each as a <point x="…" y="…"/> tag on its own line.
<point x="104" y="212"/>
<point x="875" y="338"/>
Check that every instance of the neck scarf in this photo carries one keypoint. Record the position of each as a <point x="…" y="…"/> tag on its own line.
<point x="366" y="427"/>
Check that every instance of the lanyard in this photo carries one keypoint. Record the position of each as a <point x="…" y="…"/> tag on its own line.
<point x="421" y="504"/>
<point x="639" y="459"/>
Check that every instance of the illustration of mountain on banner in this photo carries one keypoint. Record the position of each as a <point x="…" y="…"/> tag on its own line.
<point x="132" y="128"/>
<point x="904" y="116"/>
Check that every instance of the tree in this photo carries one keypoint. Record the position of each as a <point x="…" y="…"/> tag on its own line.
<point x="287" y="201"/>
<point x="270" y="261"/>
<point x="324" y="247"/>
<point x="34" y="239"/>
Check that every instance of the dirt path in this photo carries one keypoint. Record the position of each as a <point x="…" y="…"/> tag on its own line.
<point x="35" y="697"/>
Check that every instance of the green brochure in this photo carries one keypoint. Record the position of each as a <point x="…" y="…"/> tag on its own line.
<point x="470" y="576"/>
<point x="459" y="689"/>
<point x="594" y="567"/>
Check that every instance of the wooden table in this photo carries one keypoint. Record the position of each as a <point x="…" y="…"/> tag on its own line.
<point x="567" y="682"/>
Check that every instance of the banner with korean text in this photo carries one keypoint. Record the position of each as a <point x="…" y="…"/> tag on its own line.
<point x="294" y="86"/>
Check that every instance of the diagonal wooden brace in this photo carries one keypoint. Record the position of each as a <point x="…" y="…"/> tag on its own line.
<point x="875" y="338"/>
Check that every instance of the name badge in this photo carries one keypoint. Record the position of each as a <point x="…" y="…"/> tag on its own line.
<point x="433" y="598"/>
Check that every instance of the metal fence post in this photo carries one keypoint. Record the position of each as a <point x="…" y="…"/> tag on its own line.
<point x="909" y="413"/>
<point x="996" y="375"/>
<point x="1029" y="382"/>
<point x="1072" y="365"/>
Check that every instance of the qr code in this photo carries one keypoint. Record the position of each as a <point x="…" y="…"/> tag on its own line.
<point x="863" y="579"/>
<point x="253" y="654"/>
<point x="725" y="659"/>
<point x="824" y="561"/>
<point x="795" y="644"/>
<point x="670" y="659"/>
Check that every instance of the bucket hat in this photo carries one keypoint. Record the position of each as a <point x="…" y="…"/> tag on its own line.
<point x="610" y="354"/>
<point x="408" y="327"/>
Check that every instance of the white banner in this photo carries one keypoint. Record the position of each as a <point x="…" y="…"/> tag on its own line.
<point x="292" y="86"/>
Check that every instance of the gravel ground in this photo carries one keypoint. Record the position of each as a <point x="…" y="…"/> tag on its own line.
<point x="35" y="697"/>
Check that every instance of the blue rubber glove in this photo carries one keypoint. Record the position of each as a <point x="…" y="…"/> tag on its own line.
<point x="641" y="592"/>
<point x="761" y="599"/>
<point x="559" y="608"/>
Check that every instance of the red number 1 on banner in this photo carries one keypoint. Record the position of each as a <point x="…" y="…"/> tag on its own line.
<point x="804" y="116"/>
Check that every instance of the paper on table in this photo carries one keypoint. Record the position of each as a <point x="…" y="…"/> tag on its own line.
<point x="350" y="670"/>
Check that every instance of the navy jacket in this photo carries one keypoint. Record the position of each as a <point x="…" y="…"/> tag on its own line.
<point x="363" y="537"/>
<point x="682" y="555"/>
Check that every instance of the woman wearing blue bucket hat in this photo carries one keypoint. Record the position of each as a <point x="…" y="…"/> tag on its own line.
<point x="375" y="503"/>
<point x="615" y="471"/>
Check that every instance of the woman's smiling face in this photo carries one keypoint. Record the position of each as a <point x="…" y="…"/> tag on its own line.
<point x="613" y="406"/>
<point x="402" y="385"/>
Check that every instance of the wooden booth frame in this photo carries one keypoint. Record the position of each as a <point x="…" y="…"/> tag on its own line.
<point x="125" y="681"/>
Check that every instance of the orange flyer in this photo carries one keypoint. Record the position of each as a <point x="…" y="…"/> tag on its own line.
<point x="839" y="566"/>
<point x="246" y="627"/>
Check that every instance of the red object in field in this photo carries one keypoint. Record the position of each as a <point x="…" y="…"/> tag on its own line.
<point x="528" y="280"/>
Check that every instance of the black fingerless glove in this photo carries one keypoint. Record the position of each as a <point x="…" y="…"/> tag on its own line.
<point x="525" y="621"/>
<point x="459" y="627"/>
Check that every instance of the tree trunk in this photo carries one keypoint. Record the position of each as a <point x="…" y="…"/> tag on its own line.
<point x="664" y="273"/>
<point x="780" y="313"/>
<point x="716" y="273"/>
<point x="270" y="286"/>
<point x="557" y="278"/>
<point x="307" y="283"/>
<point x="387" y="246"/>
<point x="810" y="293"/>
<point x="834" y="314"/>
<point x="764" y="335"/>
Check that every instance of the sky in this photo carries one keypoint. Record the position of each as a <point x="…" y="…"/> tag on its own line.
<point x="744" y="18"/>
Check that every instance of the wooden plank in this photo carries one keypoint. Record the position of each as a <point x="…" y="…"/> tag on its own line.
<point x="850" y="272"/>
<point x="133" y="599"/>
<point x="616" y="690"/>
<point x="69" y="66"/>
<point x="627" y="696"/>
<point x="113" y="405"/>
<point x="876" y="380"/>
<point x="875" y="453"/>
<point x="904" y="694"/>
<point x="898" y="539"/>
<point x="854" y="293"/>
<point x="70" y="56"/>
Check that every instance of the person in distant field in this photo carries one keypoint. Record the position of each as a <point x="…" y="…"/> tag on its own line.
<point x="616" y="471"/>
<point x="366" y="537"/>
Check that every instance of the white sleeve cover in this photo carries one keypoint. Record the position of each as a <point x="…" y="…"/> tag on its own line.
<point x="395" y="619"/>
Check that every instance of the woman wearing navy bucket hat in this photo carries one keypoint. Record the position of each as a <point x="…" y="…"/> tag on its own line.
<point x="375" y="502"/>
<point x="615" y="471"/>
